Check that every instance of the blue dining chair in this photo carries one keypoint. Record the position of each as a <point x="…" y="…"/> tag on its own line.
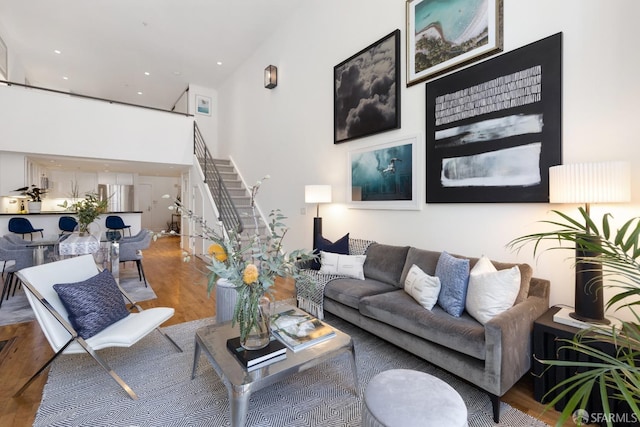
<point x="67" y="224"/>
<point x="114" y="222"/>
<point x="23" y="226"/>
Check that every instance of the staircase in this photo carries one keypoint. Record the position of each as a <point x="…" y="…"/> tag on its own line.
<point x="240" y="199"/>
<point x="231" y="198"/>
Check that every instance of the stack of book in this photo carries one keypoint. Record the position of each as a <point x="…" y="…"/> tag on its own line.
<point x="256" y="359"/>
<point x="299" y="330"/>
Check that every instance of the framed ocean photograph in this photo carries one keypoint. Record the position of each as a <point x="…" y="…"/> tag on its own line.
<point x="444" y="35"/>
<point x="366" y="90"/>
<point x="384" y="176"/>
<point x="495" y="128"/>
<point x="203" y="105"/>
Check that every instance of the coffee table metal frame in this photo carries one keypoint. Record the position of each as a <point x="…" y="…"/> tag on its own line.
<point x="240" y="384"/>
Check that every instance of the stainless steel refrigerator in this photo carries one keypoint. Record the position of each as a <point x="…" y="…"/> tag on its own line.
<point x="120" y="197"/>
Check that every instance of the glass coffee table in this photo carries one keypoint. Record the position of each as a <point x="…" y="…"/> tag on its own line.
<point x="212" y="340"/>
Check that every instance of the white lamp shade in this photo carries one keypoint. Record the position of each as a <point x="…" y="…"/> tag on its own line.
<point x="317" y="194"/>
<point x="605" y="182"/>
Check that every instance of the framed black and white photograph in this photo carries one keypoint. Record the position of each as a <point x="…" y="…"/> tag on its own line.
<point x="384" y="176"/>
<point x="444" y="35"/>
<point x="203" y="105"/>
<point x="494" y="129"/>
<point x="366" y="91"/>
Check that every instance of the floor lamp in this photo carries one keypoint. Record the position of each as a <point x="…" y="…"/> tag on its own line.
<point x="588" y="183"/>
<point x="317" y="194"/>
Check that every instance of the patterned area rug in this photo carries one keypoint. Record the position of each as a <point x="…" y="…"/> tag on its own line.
<point x="79" y="392"/>
<point x="17" y="309"/>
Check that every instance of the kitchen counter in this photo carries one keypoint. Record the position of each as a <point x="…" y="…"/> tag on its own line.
<point x="48" y="220"/>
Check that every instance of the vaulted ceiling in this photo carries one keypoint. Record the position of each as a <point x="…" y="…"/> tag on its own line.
<point x="103" y="48"/>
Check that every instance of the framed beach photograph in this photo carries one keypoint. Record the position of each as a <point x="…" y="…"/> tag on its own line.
<point x="495" y="128"/>
<point x="366" y="90"/>
<point x="203" y="105"/>
<point x="443" y="35"/>
<point x="384" y="176"/>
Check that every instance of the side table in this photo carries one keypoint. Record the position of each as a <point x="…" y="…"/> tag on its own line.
<point x="547" y="346"/>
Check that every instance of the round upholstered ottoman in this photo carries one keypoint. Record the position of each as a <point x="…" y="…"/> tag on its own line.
<point x="406" y="398"/>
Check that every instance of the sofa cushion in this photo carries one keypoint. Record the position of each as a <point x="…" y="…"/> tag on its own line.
<point x="350" y="291"/>
<point x="426" y="260"/>
<point x="385" y="263"/>
<point x="491" y="291"/>
<point x="454" y="279"/>
<point x="422" y="287"/>
<point x="340" y="246"/>
<point x="342" y="265"/>
<point x="526" y="272"/>
<point x="398" y="309"/>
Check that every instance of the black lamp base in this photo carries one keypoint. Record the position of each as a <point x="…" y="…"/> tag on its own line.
<point x="317" y="230"/>
<point x="589" y="299"/>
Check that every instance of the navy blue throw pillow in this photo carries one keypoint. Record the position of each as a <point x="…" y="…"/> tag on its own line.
<point x="340" y="246"/>
<point x="92" y="304"/>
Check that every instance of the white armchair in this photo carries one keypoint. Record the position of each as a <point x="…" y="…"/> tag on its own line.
<point x="53" y="317"/>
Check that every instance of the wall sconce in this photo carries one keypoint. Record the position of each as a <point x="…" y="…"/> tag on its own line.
<point x="317" y="194"/>
<point x="270" y="77"/>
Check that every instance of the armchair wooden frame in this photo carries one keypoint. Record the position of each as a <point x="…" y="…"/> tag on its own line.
<point x="63" y="338"/>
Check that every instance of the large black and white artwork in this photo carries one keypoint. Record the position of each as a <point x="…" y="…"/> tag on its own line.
<point x="367" y="90"/>
<point x="494" y="129"/>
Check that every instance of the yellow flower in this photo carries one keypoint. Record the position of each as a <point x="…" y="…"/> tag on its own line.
<point x="218" y="252"/>
<point x="250" y="274"/>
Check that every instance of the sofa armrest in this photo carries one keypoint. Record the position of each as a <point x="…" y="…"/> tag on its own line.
<point x="508" y="337"/>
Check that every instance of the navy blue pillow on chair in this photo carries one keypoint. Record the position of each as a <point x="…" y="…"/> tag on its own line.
<point x="92" y="304"/>
<point x="340" y="246"/>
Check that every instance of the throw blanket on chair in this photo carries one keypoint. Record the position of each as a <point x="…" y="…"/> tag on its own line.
<point x="311" y="293"/>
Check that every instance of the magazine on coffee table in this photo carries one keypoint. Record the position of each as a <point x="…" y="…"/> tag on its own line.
<point x="299" y="330"/>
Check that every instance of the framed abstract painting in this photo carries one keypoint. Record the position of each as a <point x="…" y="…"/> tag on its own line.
<point x="495" y="128"/>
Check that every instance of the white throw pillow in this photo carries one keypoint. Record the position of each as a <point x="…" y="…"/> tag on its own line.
<point x="491" y="291"/>
<point x="422" y="287"/>
<point x="344" y="265"/>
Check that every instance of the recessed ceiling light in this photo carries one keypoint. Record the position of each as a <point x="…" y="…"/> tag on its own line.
<point x="65" y="78"/>
<point x="146" y="73"/>
<point x="139" y="93"/>
<point x="57" y="51"/>
<point x="219" y="62"/>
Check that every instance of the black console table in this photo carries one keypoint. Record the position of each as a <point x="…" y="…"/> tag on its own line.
<point x="546" y="346"/>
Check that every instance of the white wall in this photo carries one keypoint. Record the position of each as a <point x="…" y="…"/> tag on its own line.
<point x="34" y="121"/>
<point x="287" y="132"/>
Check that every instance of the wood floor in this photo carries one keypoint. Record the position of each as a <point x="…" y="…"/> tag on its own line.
<point x="177" y="284"/>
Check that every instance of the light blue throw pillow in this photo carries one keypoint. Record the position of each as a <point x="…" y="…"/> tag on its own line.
<point x="454" y="279"/>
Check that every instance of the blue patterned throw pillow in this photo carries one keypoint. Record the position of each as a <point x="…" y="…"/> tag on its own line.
<point x="92" y="304"/>
<point x="454" y="279"/>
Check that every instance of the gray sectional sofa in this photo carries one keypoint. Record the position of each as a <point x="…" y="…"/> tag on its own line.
<point x="493" y="356"/>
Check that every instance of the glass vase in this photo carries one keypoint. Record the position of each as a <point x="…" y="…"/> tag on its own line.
<point x="259" y="333"/>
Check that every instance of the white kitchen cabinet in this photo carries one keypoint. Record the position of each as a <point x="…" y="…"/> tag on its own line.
<point x="115" y="178"/>
<point x="12" y="173"/>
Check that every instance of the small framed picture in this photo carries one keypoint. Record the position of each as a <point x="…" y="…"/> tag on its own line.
<point x="384" y="176"/>
<point x="366" y="90"/>
<point x="444" y="35"/>
<point x="203" y="105"/>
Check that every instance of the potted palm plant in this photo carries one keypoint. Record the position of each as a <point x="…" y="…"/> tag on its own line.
<point x="616" y="376"/>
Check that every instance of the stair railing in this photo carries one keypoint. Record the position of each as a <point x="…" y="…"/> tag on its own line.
<point x="229" y="215"/>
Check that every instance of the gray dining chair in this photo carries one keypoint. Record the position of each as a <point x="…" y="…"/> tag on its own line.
<point x="132" y="251"/>
<point x="21" y="256"/>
